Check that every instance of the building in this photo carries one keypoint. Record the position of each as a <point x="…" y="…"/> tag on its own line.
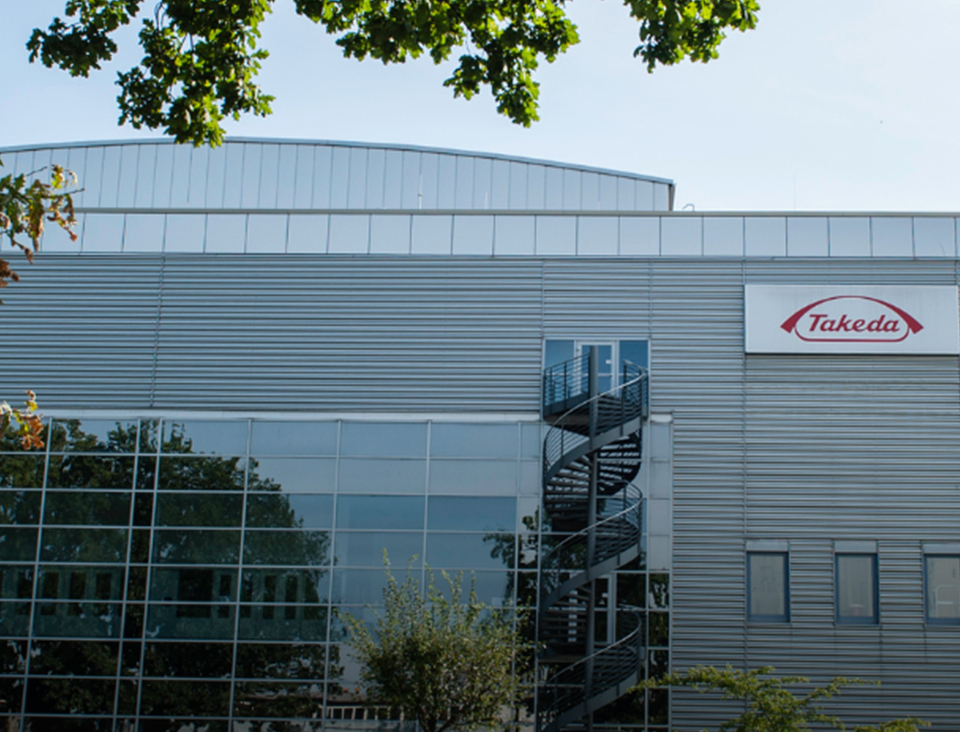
<point x="268" y="362"/>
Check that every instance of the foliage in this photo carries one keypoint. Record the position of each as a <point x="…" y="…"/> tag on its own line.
<point x="26" y="203"/>
<point x="771" y="706"/>
<point x="201" y="57"/>
<point x="23" y="424"/>
<point x="446" y="662"/>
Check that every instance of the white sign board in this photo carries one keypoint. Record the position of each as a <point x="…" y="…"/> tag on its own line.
<point x="830" y="319"/>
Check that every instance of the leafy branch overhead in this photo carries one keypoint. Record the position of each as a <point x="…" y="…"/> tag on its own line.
<point x="201" y="57"/>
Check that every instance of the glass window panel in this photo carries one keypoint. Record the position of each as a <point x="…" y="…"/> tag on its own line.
<point x="382" y="476"/>
<point x="143" y="233"/>
<point x="765" y="236"/>
<point x="493" y="588"/>
<point x="90" y="471"/>
<point x="464" y="183"/>
<point x="364" y="586"/>
<point x="77" y="619"/>
<point x="849" y="236"/>
<point x="214" y="437"/>
<point x="268" y="510"/>
<point x="210" y="546"/>
<point x="75" y="658"/>
<point x="389" y="234"/>
<point x="530" y="440"/>
<point x="856" y="588"/>
<point x="283" y="586"/>
<point x="103" y="233"/>
<point x="201" y="474"/>
<point x="392" y="179"/>
<point x="807" y="236"/>
<point x="307" y="234"/>
<point x="185" y="620"/>
<point x="682" y="235"/>
<point x="556" y="235"/>
<point x="380" y="512"/>
<point x="473" y="235"/>
<point x="892" y="236"/>
<point x="170" y="698"/>
<point x="281" y="661"/>
<point x="94" y="435"/>
<point x="13" y="657"/>
<point x="284" y="548"/>
<point x="292" y="475"/>
<point x="485" y="477"/>
<point x="514" y="235"/>
<point x="462" y="513"/>
<point x="146" y="169"/>
<point x="267" y="233"/>
<point x="199" y="509"/>
<point x="530" y="475"/>
<point x="83" y="545"/>
<point x="87" y="507"/>
<point x="225" y="233"/>
<point x="18" y="544"/>
<point x="194" y="585"/>
<point x="21" y="471"/>
<point x="471" y="551"/>
<point x="19" y="507"/>
<point x="431" y="234"/>
<point x="349" y="233"/>
<point x="943" y="588"/>
<point x="383" y="439"/>
<point x="366" y="548"/>
<point x="287" y="437"/>
<point x="69" y="696"/>
<point x="323" y="176"/>
<point x="187" y="660"/>
<point x="557" y="351"/>
<point x="598" y="235"/>
<point x="723" y="236"/>
<point x="56" y="239"/>
<point x="303" y="623"/>
<point x="263" y="699"/>
<point x="473" y="440"/>
<point x="767" y="589"/>
<point x="185" y="233"/>
<point x="933" y="237"/>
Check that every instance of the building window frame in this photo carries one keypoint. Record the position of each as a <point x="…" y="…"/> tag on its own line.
<point x="784" y="555"/>
<point x="849" y="618"/>
<point x="931" y="599"/>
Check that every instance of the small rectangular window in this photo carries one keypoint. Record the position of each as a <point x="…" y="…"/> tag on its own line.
<point x="768" y="594"/>
<point x="856" y="588"/>
<point x="942" y="580"/>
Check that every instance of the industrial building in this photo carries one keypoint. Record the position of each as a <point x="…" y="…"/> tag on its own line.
<point x="682" y="437"/>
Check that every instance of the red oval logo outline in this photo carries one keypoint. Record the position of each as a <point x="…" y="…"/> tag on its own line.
<point x="790" y="324"/>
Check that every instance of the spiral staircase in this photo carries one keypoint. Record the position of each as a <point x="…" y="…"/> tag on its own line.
<point x="592" y="515"/>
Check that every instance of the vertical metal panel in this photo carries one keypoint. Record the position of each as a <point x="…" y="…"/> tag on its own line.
<point x="589" y="191"/>
<point x="393" y="179"/>
<point x="110" y="180"/>
<point x="373" y="196"/>
<point x="429" y="180"/>
<point x="357" y="177"/>
<point x="146" y="172"/>
<point x="303" y="190"/>
<point x="269" y="174"/>
<point x="447" y="182"/>
<point x="339" y="177"/>
<point x="216" y="177"/>
<point x="464" y="183"/>
<point x="250" y="178"/>
<point x="322" y="176"/>
<point x="77" y="162"/>
<point x="410" y="196"/>
<point x="127" y="188"/>
<point x="536" y="187"/>
<point x="483" y="184"/>
<point x="518" y="186"/>
<point x="287" y="176"/>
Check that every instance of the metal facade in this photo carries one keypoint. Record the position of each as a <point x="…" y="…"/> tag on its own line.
<point x="806" y="450"/>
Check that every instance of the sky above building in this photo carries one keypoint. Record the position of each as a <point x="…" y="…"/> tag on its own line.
<point x="827" y="105"/>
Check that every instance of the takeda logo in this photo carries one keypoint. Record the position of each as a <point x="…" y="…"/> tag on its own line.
<point x="851" y="319"/>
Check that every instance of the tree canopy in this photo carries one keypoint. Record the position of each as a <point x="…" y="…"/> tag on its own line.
<point x="445" y="661"/>
<point x="201" y="57"/>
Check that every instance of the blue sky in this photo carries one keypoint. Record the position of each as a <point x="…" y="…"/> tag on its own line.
<point x="828" y="105"/>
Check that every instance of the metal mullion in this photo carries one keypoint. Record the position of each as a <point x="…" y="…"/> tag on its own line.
<point x="240" y="565"/>
<point x="36" y="576"/>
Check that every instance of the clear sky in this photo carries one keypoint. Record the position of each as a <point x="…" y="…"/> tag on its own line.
<point x="828" y="105"/>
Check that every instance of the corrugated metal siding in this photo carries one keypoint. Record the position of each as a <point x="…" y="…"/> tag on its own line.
<point x="345" y="334"/>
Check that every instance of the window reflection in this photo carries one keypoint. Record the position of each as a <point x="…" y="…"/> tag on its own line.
<point x="292" y="475"/>
<point x="463" y="513"/>
<point x="378" y="439"/>
<point x="382" y="476"/>
<point x="380" y="512"/>
<point x="293" y="438"/>
<point x="366" y="548"/>
<point x="473" y="440"/>
<point x="268" y="510"/>
<point x="484" y="477"/>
